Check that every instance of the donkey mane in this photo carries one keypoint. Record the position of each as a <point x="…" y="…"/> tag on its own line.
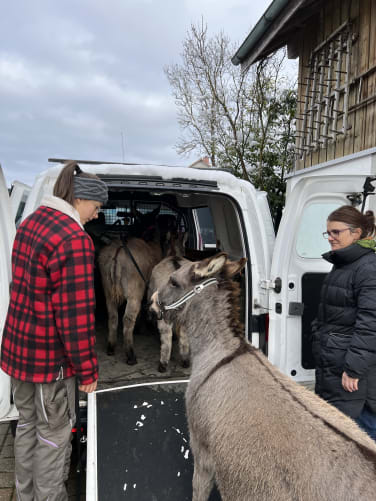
<point x="233" y="298"/>
<point x="177" y="261"/>
<point x="234" y="292"/>
<point x="236" y="326"/>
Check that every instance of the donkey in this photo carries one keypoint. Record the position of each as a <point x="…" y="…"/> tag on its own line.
<point x="159" y="277"/>
<point x="125" y="269"/>
<point x="253" y="430"/>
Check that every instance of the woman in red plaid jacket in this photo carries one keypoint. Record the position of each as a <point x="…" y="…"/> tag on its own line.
<point x="49" y="334"/>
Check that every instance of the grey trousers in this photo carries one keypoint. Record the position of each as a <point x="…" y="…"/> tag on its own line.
<point x="42" y="445"/>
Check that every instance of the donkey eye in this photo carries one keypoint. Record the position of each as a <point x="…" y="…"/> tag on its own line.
<point x="173" y="282"/>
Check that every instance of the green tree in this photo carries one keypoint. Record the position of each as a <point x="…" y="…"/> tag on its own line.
<point x="241" y="121"/>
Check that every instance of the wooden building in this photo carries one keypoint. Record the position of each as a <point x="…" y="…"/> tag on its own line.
<point x="335" y="41"/>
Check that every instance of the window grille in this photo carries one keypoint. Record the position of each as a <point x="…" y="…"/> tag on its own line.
<point x="122" y="214"/>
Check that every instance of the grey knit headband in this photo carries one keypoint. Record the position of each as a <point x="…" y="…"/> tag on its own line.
<point x="90" y="188"/>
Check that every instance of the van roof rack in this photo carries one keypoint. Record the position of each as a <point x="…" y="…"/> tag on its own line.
<point x="98" y="162"/>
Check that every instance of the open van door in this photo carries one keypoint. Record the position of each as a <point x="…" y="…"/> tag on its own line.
<point x="7" y="232"/>
<point x="298" y="269"/>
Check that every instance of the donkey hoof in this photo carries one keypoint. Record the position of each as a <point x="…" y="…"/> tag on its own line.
<point x="131" y="358"/>
<point x="110" y="349"/>
<point x="162" y="367"/>
<point x="185" y="364"/>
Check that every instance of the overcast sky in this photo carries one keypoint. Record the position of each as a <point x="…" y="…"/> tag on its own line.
<point x="84" y="79"/>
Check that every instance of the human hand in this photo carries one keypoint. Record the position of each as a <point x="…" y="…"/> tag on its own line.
<point x="349" y="384"/>
<point x="88" y="388"/>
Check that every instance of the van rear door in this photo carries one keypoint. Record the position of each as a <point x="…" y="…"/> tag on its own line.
<point x="298" y="269"/>
<point x="7" y="232"/>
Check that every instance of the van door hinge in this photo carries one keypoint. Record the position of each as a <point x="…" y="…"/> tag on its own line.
<point x="276" y="284"/>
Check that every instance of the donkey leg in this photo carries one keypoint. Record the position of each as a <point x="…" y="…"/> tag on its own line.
<point x="165" y="331"/>
<point x="129" y="319"/>
<point x="203" y="472"/>
<point x="113" y="319"/>
<point x="183" y="346"/>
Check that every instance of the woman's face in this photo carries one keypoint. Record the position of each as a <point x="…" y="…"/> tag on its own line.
<point x="87" y="209"/>
<point x="340" y="235"/>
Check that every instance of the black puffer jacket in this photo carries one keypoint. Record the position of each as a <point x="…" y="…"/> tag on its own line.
<point x="344" y="334"/>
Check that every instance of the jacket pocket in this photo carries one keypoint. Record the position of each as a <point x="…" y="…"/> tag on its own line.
<point x="55" y="403"/>
<point x="338" y="341"/>
<point x="334" y="352"/>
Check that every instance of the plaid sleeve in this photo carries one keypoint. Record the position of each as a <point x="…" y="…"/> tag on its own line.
<point x="73" y="301"/>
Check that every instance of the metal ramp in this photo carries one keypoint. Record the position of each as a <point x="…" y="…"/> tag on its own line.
<point x="138" y="449"/>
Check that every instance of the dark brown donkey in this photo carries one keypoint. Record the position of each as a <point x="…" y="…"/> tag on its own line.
<point x="259" y="434"/>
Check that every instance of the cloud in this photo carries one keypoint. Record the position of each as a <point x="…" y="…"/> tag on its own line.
<point x="85" y="79"/>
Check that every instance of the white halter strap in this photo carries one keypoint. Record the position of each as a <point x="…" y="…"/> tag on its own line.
<point x="196" y="290"/>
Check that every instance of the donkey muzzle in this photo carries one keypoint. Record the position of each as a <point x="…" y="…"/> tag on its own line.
<point x="155" y="306"/>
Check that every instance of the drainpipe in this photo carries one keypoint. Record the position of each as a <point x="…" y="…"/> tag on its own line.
<point x="259" y="30"/>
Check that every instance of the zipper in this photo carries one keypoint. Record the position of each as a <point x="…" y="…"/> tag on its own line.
<point x="42" y="403"/>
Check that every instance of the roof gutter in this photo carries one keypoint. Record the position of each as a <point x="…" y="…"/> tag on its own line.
<point x="259" y="30"/>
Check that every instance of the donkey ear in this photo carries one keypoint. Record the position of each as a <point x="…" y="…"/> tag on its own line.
<point x="185" y="238"/>
<point x="234" y="267"/>
<point x="210" y="266"/>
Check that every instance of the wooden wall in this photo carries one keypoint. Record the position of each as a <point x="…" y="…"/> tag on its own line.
<point x="361" y="133"/>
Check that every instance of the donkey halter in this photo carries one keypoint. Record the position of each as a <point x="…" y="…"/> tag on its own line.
<point x="197" y="289"/>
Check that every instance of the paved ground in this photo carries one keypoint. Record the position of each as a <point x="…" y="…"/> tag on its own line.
<point x="7" y="487"/>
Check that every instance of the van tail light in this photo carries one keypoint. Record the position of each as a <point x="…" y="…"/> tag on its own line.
<point x="74" y="430"/>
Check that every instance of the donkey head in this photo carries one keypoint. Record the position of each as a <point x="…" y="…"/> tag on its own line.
<point x="174" y="244"/>
<point x="192" y="279"/>
<point x="145" y="224"/>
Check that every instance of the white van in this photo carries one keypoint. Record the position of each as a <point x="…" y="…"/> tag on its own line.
<point x="280" y="290"/>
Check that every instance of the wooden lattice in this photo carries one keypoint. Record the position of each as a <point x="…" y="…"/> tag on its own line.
<point x="324" y="102"/>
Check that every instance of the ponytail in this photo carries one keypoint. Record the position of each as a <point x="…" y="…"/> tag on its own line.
<point x="64" y="185"/>
<point x="355" y="219"/>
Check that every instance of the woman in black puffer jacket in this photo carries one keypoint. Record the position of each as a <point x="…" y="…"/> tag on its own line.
<point x="344" y="333"/>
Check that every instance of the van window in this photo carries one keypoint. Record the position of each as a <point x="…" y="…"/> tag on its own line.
<point x="310" y="243"/>
<point x="206" y="229"/>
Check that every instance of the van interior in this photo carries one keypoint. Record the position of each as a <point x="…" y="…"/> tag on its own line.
<point x="211" y="223"/>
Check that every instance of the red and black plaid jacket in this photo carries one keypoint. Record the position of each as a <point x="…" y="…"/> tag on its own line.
<point x="50" y="325"/>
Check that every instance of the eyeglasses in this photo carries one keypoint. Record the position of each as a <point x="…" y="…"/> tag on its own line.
<point x="334" y="233"/>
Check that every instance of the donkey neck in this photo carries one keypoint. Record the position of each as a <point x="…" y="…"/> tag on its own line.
<point x="207" y="321"/>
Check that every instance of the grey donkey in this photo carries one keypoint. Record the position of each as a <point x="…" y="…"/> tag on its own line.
<point x="255" y="432"/>
<point x="159" y="277"/>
